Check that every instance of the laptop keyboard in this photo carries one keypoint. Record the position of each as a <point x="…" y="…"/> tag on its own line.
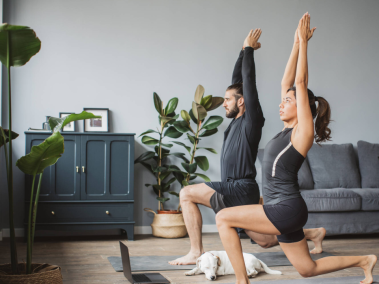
<point x="140" y="278"/>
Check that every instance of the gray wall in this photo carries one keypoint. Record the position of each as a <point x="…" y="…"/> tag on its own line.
<point x="115" y="54"/>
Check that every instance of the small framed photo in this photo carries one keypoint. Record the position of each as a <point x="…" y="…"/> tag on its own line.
<point x="71" y="127"/>
<point x="97" y="124"/>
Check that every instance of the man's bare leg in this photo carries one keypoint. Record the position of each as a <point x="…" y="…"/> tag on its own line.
<point x="190" y="196"/>
<point x="266" y="241"/>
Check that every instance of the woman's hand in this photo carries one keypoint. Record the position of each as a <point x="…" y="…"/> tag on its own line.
<point x="303" y="32"/>
<point x="252" y="39"/>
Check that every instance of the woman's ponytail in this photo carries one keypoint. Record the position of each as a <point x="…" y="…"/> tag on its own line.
<point x="322" y="120"/>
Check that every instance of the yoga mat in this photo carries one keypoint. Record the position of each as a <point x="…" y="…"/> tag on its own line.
<point x="160" y="263"/>
<point x="336" y="280"/>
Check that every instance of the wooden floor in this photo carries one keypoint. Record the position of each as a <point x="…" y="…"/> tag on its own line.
<point x="85" y="260"/>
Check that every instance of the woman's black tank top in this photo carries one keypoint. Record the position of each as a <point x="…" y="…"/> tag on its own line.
<point x="281" y="163"/>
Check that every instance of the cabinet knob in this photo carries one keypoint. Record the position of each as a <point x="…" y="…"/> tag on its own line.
<point x="52" y="213"/>
<point x="77" y="169"/>
<point x="83" y="169"/>
<point x="107" y="212"/>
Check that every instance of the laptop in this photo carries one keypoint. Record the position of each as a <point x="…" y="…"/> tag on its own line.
<point x="153" y="278"/>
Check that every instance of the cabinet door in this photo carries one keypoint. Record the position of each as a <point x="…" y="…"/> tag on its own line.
<point x="60" y="181"/>
<point x="108" y="167"/>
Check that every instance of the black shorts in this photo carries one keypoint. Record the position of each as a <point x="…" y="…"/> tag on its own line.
<point x="233" y="193"/>
<point x="289" y="217"/>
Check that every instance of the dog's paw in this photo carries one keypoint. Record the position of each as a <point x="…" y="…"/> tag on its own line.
<point x="189" y="273"/>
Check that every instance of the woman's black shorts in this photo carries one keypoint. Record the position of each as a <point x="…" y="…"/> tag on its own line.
<point x="289" y="217"/>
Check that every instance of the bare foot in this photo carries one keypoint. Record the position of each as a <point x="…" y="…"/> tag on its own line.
<point x="317" y="239"/>
<point x="368" y="266"/>
<point x="188" y="259"/>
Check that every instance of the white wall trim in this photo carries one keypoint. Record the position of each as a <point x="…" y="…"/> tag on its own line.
<point x="138" y="230"/>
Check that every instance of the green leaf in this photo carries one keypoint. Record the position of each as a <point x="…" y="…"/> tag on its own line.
<point x="172" y="132"/>
<point x="192" y="116"/>
<point x="149" y="140"/>
<point x="174" y="193"/>
<point x="209" y="149"/>
<point x="23" y="43"/>
<point x="171" y="106"/>
<point x="163" y="199"/>
<point x="185" y="183"/>
<point x="203" y="163"/>
<point x="179" y="176"/>
<point x="164" y="151"/>
<point x="212" y="122"/>
<point x="164" y="188"/>
<point x="208" y="132"/>
<point x="158" y="103"/>
<point x="204" y="177"/>
<point x="168" y="183"/>
<point x="159" y="169"/>
<point x="148" y="131"/>
<point x="58" y="123"/>
<point x="193" y="177"/>
<point x="157" y="187"/>
<point x="43" y="155"/>
<point x="165" y="119"/>
<point x="148" y="184"/>
<point x="182" y="144"/>
<point x="167" y="145"/>
<point x="198" y="111"/>
<point x="199" y="93"/>
<point x="173" y="168"/>
<point x="163" y="175"/>
<point x="190" y="168"/>
<point x="185" y="115"/>
<point x="216" y="102"/>
<point x="145" y="156"/>
<point x="156" y="191"/>
<point x="6" y="138"/>
<point x="180" y="155"/>
<point x="182" y="126"/>
<point x="206" y="102"/>
<point x="191" y="138"/>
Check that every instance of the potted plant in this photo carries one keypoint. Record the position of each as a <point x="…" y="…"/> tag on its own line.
<point x="157" y="164"/>
<point x="199" y="111"/>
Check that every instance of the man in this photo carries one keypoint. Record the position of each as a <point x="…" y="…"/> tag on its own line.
<point x="238" y="155"/>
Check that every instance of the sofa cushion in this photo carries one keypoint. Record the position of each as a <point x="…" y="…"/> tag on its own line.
<point x="368" y="155"/>
<point x="370" y="198"/>
<point x="304" y="175"/>
<point x="329" y="200"/>
<point x="334" y="166"/>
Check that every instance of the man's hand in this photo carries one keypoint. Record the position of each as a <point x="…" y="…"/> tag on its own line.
<point x="303" y="31"/>
<point x="252" y="39"/>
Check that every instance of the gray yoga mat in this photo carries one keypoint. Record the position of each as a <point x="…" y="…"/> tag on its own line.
<point x="160" y="263"/>
<point x="337" y="280"/>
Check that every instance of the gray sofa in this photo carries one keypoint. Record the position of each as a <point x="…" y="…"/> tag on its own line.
<point x="340" y="187"/>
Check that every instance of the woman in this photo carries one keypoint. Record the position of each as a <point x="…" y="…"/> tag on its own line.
<point x="285" y="212"/>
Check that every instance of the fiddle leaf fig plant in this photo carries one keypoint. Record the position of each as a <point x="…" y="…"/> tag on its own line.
<point x="155" y="161"/>
<point x="40" y="157"/>
<point x="203" y="127"/>
<point x="18" y="44"/>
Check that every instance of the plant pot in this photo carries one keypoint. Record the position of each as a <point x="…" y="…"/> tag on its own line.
<point x="42" y="273"/>
<point x="168" y="225"/>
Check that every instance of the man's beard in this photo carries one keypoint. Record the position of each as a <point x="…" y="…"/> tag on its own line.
<point x="233" y="112"/>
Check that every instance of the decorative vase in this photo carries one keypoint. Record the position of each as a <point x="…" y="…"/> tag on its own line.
<point x="42" y="273"/>
<point x="168" y="224"/>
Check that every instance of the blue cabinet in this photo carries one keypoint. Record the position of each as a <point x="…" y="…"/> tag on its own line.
<point x="91" y="185"/>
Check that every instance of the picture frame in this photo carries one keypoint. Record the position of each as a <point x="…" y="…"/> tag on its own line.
<point x="71" y="127"/>
<point x="97" y="124"/>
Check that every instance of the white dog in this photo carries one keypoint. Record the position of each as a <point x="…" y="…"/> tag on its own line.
<point x="215" y="263"/>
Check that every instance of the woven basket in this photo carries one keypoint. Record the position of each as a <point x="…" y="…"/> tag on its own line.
<point x="169" y="226"/>
<point x="42" y="273"/>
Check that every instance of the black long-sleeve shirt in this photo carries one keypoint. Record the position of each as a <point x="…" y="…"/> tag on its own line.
<point x="241" y="138"/>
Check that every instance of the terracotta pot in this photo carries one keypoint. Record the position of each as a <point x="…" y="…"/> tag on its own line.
<point x="168" y="224"/>
<point x="42" y="273"/>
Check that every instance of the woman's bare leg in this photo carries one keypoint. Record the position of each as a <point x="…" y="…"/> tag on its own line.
<point x="298" y="254"/>
<point x="253" y="218"/>
<point x="316" y="235"/>
<point x="229" y="218"/>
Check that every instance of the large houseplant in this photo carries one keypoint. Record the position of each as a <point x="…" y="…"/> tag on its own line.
<point x="17" y="45"/>
<point x="156" y="161"/>
<point x="199" y="111"/>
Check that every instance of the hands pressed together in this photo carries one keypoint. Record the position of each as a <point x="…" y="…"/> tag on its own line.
<point x="303" y="33"/>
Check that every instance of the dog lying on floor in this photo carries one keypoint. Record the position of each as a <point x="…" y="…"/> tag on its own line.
<point x="215" y="263"/>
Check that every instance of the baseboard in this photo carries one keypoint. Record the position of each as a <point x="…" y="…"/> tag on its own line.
<point x="138" y="230"/>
